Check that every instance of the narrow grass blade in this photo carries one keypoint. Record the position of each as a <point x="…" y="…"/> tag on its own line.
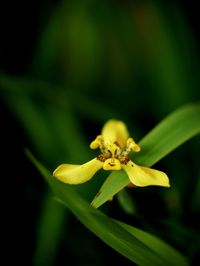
<point x="159" y="246"/>
<point x="121" y="238"/>
<point x="178" y="127"/>
<point x="49" y="233"/>
<point x="115" y="182"/>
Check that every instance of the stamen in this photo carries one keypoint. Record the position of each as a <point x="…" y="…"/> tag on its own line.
<point x="101" y="158"/>
<point x="113" y="150"/>
<point x="97" y="143"/>
<point x="131" y="145"/>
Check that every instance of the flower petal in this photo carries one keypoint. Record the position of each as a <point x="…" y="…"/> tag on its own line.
<point x="144" y="176"/>
<point x="112" y="164"/>
<point x="115" y="131"/>
<point x="77" y="174"/>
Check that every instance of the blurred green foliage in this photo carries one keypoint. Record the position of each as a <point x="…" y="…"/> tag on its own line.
<point x="137" y="245"/>
<point x="96" y="60"/>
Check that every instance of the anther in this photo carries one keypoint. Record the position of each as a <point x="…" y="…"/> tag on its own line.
<point x="97" y="143"/>
<point x="131" y="145"/>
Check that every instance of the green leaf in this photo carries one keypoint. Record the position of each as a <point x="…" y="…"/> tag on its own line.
<point x="123" y="238"/>
<point x="159" y="246"/>
<point x="115" y="182"/>
<point x="49" y="231"/>
<point x="126" y="202"/>
<point x="170" y="133"/>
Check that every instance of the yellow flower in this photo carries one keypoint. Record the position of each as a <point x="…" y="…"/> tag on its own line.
<point x="115" y="146"/>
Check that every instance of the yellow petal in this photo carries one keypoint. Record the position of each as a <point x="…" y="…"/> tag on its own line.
<point x="144" y="176"/>
<point x="96" y="143"/>
<point x="77" y="174"/>
<point x="115" y="131"/>
<point x="112" y="164"/>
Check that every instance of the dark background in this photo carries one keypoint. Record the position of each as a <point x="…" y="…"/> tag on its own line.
<point x="23" y="189"/>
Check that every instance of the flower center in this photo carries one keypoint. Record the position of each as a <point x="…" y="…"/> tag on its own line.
<point x="112" y="154"/>
<point x="113" y="151"/>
